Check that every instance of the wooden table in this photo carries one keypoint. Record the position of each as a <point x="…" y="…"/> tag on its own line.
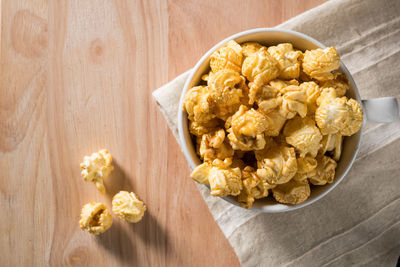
<point x="77" y="76"/>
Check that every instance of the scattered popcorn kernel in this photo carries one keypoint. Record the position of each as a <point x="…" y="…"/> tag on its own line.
<point x="288" y="60"/>
<point x="95" y="218"/>
<point x="312" y="92"/>
<point x="198" y="104"/>
<point x="227" y="57"/>
<point x="253" y="188"/>
<point x="251" y="48"/>
<point x="303" y="135"/>
<point x="292" y="192"/>
<point x="128" y="206"/>
<point x="293" y="102"/>
<point x="276" y="164"/>
<point x="97" y="167"/>
<point x="319" y="63"/>
<point x="339" y="83"/>
<point x="215" y="146"/>
<point x="332" y="142"/>
<point x="325" y="171"/>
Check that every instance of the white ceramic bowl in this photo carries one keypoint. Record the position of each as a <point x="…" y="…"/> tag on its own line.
<point x="268" y="37"/>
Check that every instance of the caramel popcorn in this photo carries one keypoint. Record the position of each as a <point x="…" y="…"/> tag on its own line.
<point x="276" y="164"/>
<point x="319" y="63"/>
<point x="325" y="171"/>
<point x="270" y="118"/>
<point x="292" y="192"/>
<point x="95" y="218"/>
<point x="303" y="135"/>
<point x="227" y="57"/>
<point x="288" y="60"/>
<point x="97" y="167"/>
<point x="128" y="206"/>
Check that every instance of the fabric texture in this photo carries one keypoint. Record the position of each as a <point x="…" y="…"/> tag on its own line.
<point x="358" y="223"/>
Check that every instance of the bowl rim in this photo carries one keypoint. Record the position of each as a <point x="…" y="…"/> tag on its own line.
<point x="278" y="207"/>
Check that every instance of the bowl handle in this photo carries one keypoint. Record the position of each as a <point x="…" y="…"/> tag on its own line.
<point x="381" y="110"/>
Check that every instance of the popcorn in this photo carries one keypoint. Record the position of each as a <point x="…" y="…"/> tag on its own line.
<point x="95" y="218"/>
<point x="215" y="146"/>
<point x="96" y="168"/>
<point x="246" y="129"/>
<point x="222" y="178"/>
<point x="227" y="57"/>
<point x="253" y="188"/>
<point x="128" y="206"/>
<point x="303" y="135"/>
<point x="198" y="104"/>
<point x="270" y="118"/>
<point x="319" y="63"/>
<point x="325" y="171"/>
<point x="292" y="192"/>
<point x="276" y="164"/>
<point x="288" y="60"/>
<point x="339" y="115"/>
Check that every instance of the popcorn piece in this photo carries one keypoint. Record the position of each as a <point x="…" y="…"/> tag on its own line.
<point x="128" y="206"/>
<point x="201" y="172"/>
<point x="198" y="104"/>
<point x="95" y="218"/>
<point x="200" y="128"/>
<point x="259" y="69"/>
<point x="246" y="129"/>
<point x="292" y="192"/>
<point x="253" y="188"/>
<point x="332" y="142"/>
<point x="319" y="63"/>
<point x="97" y="167"/>
<point x="339" y="83"/>
<point x="262" y="93"/>
<point x="326" y="95"/>
<point x="275" y="121"/>
<point x="293" y="102"/>
<point x="303" y="135"/>
<point x="339" y="115"/>
<point x="288" y="60"/>
<point x="276" y="164"/>
<point x="251" y="48"/>
<point x="280" y="85"/>
<point x="325" y="171"/>
<point x="215" y="146"/>
<point x="305" y="168"/>
<point x="313" y="92"/>
<point x="226" y="87"/>
<point x="227" y="57"/>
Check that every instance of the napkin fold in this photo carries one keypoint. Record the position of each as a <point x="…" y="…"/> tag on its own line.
<point x="358" y="223"/>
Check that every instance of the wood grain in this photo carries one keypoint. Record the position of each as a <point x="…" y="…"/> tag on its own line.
<point x="77" y="76"/>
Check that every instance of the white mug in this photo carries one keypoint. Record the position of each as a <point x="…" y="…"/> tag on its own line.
<point x="378" y="110"/>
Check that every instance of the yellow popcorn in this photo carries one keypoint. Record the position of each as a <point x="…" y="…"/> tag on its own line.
<point x="253" y="188"/>
<point x="339" y="83"/>
<point x="199" y="128"/>
<point x="198" y="104"/>
<point x="226" y="87"/>
<point x="222" y="178"/>
<point x="339" y="115"/>
<point x="293" y="102"/>
<point x="215" y="146"/>
<point x="306" y="167"/>
<point x="280" y="85"/>
<point x="95" y="218"/>
<point x="276" y="164"/>
<point x="288" y="60"/>
<point x="275" y="122"/>
<point x="246" y="130"/>
<point x="325" y="171"/>
<point x="332" y="142"/>
<point x="262" y="93"/>
<point x="260" y="68"/>
<point x="251" y="48"/>
<point x="97" y="167"/>
<point x="303" y="135"/>
<point x="227" y="57"/>
<point x="319" y="63"/>
<point x="312" y="92"/>
<point x="292" y="192"/>
<point x="128" y="206"/>
<point x="326" y="94"/>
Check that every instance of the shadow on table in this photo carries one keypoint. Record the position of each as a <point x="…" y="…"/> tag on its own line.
<point x="118" y="181"/>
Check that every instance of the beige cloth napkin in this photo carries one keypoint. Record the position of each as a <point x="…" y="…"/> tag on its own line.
<point x="358" y="223"/>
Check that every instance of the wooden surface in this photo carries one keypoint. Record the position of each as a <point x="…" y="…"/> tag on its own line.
<point x="77" y="76"/>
